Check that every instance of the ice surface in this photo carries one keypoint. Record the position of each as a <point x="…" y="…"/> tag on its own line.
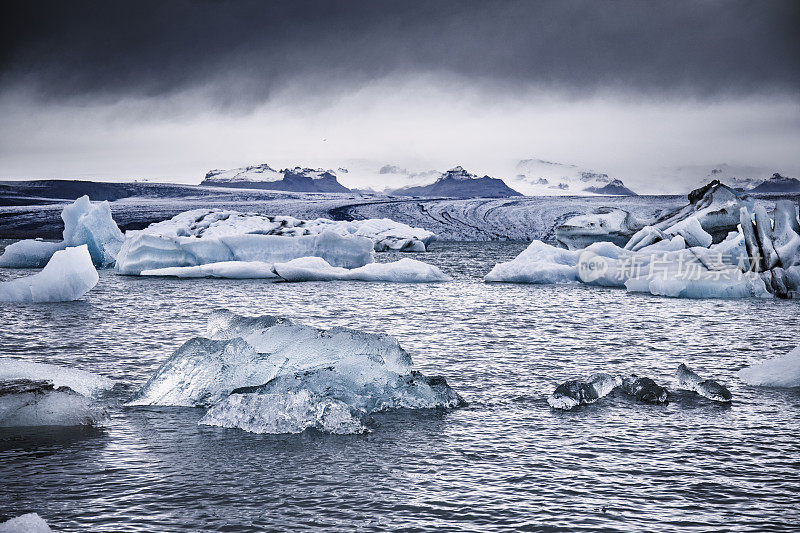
<point x="709" y="388"/>
<point x="317" y="269"/>
<point x="27" y="523"/>
<point x="84" y="223"/>
<point x="80" y="381"/>
<point x="202" y="372"/>
<point x="765" y="237"/>
<point x="787" y="233"/>
<point x="573" y="393"/>
<point x="270" y="361"/>
<point x="691" y="231"/>
<point x="25" y="402"/>
<point x="67" y="276"/>
<point x="778" y="372"/>
<point x="384" y="233"/>
<point x="223" y="269"/>
<point x="288" y="412"/>
<point x="144" y="251"/>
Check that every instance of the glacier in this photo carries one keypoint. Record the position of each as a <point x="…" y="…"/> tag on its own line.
<point x="68" y="275"/>
<point x="144" y="251"/>
<point x="251" y="372"/>
<point x="778" y="372"/>
<point x="27" y="523"/>
<point x="82" y="382"/>
<point x="85" y="223"/>
<point x="25" y="402"/>
<point x="317" y="269"/>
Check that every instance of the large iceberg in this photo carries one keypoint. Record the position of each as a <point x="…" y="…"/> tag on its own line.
<point x="268" y="374"/>
<point x="317" y="269"/>
<point x="538" y="263"/>
<point x="27" y="523"/>
<point x="25" y="402"/>
<point x="67" y="276"/>
<point x="145" y="251"/>
<point x="712" y="213"/>
<point x="85" y="223"/>
<point x="80" y="381"/>
<point x="384" y="233"/>
<point x="779" y="372"/>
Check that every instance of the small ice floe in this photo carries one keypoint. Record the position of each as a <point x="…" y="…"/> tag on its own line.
<point x="708" y="388"/>
<point x="644" y="389"/>
<point x="317" y="269"/>
<point x="27" y="523"/>
<point x="268" y="374"/>
<point x="85" y="223"/>
<point x="222" y="269"/>
<point x="25" y="402"/>
<point x="571" y="394"/>
<point x="778" y="372"/>
<point x="68" y="275"/>
<point x="80" y="381"/>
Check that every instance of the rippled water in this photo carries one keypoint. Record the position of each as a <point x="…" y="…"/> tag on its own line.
<point x="507" y="461"/>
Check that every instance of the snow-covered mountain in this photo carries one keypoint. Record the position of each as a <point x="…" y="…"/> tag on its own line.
<point x="537" y="177"/>
<point x="778" y="184"/>
<point x="265" y="177"/>
<point x="459" y="183"/>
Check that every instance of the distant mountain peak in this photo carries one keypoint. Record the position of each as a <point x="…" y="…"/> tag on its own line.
<point x="297" y="179"/>
<point x="457" y="182"/>
<point x="541" y="177"/>
<point x="777" y="184"/>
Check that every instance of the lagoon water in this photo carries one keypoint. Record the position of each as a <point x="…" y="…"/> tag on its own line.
<point x="506" y="461"/>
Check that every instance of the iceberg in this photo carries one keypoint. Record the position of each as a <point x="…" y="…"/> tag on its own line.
<point x="223" y="269"/>
<point x="786" y="233"/>
<point x="80" y="381"/>
<point x="644" y="390"/>
<point x="85" y="223"/>
<point x="708" y="388"/>
<point x="25" y="402"/>
<point x="384" y="233"/>
<point x="605" y="224"/>
<point x="289" y="412"/>
<point x="27" y="523"/>
<point x="317" y="269"/>
<point x="778" y="372"/>
<point x="268" y="374"/>
<point x="573" y="393"/>
<point x="144" y="251"/>
<point x="68" y="275"/>
<point x="538" y="263"/>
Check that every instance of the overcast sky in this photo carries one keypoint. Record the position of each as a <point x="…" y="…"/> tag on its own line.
<point x="168" y="90"/>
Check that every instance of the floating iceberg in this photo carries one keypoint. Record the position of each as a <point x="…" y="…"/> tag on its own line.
<point x="145" y="251"/>
<point x="27" y="523"/>
<point x="223" y="269"/>
<point x="384" y="233"/>
<point x="538" y="263"/>
<point x="704" y="387"/>
<point x="664" y="268"/>
<point x="269" y="374"/>
<point x="605" y="224"/>
<point x="288" y="412"/>
<point x="779" y="372"/>
<point x="80" y="381"/>
<point x="85" y="223"/>
<point x="67" y="276"/>
<point x="317" y="269"/>
<point x="25" y="402"/>
<point x="644" y="389"/>
<point x="571" y="394"/>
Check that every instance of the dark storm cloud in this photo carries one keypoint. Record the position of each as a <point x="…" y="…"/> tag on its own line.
<point x="242" y="51"/>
